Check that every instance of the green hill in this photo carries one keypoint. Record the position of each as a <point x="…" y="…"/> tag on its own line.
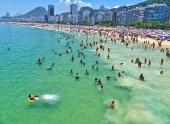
<point x="38" y="11"/>
<point x="147" y="2"/>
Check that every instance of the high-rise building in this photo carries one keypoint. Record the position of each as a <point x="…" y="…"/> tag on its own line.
<point x="121" y="15"/>
<point x="108" y="15"/>
<point x="74" y="13"/>
<point x="99" y="16"/>
<point x="83" y="14"/>
<point x="50" y="12"/>
<point x="135" y="15"/>
<point x="155" y="12"/>
<point x="73" y="9"/>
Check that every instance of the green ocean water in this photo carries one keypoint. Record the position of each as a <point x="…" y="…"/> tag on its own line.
<point x="78" y="101"/>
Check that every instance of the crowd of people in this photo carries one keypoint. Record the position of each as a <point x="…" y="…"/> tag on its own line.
<point x="106" y="36"/>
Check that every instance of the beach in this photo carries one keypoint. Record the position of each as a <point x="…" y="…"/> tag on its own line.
<point x="27" y="67"/>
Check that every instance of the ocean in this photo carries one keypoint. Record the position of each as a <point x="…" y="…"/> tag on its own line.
<point x="79" y="101"/>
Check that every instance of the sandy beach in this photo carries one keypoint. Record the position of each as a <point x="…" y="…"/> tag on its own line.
<point x="111" y="32"/>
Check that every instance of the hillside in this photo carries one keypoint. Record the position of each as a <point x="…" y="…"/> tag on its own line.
<point x="87" y="8"/>
<point x="38" y="11"/>
<point x="147" y="2"/>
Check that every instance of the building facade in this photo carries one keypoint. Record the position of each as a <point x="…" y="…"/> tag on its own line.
<point x="135" y="15"/>
<point x="74" y="13"/>
<point x="99" y="16"/>
<point x="50" y="13"/>
<point x="65" y="17"/>
<point x="108" y="15"/>
<point x="138" y="14"/>
<point x="155" y="12"/>
<point x="121" y="15"/>
<point x="83" y="15"/>
<point x="91" y="19"/>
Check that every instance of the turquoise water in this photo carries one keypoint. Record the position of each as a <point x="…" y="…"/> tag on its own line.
<point x="78" y="101"/>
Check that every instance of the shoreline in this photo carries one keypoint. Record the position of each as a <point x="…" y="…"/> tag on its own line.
<point x="117" y="33"/>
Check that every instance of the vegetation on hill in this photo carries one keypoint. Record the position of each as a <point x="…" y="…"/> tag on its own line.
<point x="89" y="9"/>
<point x="147" y="2"/>
<point x="38" y="11"/>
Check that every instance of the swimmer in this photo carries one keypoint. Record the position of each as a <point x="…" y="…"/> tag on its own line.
<point x="59" y="54"/>
<point x="112" y="104"/>
<point x="8" y="49"/>
<point x="32" y="96"/>
<point x="97" y="62"/>
<point x="149" y="63"/>
<point x="112" y="67"/>
<point x="119" y="75"/>
<point x="39" y="60"/>
<point x="71" y="71"/>
<point x="97" y="68"/>
<point x="92" y="66"/>
<point x="95" y="79"/>
<point x="145" y="60"/>
<point x="162" y="61"/>
<point x="52" y="64"/>
<point x="161" y="72"/>
<point x="108" y="56"/>
<point x="49" y="68"/>
<point x="87" y="72"/>
<point x="108" y="78"/>
<point x="77" y="76"/>
<point x="72" y="58"/>
<point x="121" y="63"/>
<point x="101" y="86"/>
<point x="141" y="77"/>
<point x="99" y="82"/>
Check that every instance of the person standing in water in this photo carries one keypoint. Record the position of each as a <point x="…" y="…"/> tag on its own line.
<point x="77" y="76"/>
<point x="87" y="72"/>
<point x="162" y="61"/>
<point x="112" y="104"/>
<point x="141" y="77"/>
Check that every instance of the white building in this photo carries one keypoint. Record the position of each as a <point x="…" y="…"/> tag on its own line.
<point x="51" y="19"/>
<point x="108" y="15"/>
<point x="65" y="17"/>
<point x="83" y="15"/>
<point x="91" y="19"/>
<point x="74" y="19"/>
<point x="57" y="18"/>
<point x="99" y="16"/>
<point x="121" y="15"/>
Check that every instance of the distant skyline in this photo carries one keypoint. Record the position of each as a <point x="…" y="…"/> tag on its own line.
<point x="24" y="6"/>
